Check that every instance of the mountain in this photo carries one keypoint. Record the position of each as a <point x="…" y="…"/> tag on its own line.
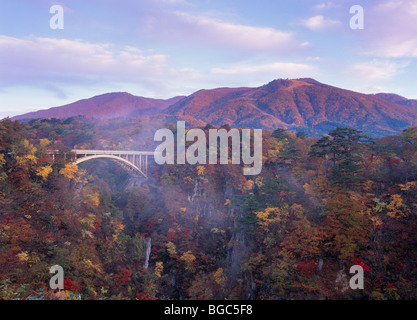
<point x="105" y="106"/>
<point x="392" y="97"/>
<point x="299" y="104"/>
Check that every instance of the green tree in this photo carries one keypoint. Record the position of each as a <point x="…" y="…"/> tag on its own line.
<point x="345" y="146"/>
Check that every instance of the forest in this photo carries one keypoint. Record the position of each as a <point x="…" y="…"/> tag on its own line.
<point x="203" y="232"/>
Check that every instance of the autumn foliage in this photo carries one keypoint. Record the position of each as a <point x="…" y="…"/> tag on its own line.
<point x="319" y="206"/>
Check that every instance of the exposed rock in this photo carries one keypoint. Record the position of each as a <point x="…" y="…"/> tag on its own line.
<point x="342" y="281"/>
<point x="147" y="252"/>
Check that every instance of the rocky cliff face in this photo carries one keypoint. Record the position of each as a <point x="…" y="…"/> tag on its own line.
<point x="148" y="248"/>
<point x="239" y="246"/>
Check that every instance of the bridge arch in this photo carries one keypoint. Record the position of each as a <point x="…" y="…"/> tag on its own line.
<point x="130" y="165"/>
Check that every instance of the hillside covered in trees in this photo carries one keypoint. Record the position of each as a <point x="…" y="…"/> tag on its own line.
<point x="319" y="206"/>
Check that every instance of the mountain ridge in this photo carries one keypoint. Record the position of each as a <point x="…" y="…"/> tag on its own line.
<point x="104" y="106"/>
<point x="392" y="97"/>
<point x="293" y="104"/>
<point x="296" y="104"/>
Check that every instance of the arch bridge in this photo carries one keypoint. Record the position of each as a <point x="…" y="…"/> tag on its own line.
<point x="136" y="162"/>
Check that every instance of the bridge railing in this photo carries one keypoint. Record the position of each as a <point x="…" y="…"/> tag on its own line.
<point x="138" y="160"/>
<point x="112" y="152"/>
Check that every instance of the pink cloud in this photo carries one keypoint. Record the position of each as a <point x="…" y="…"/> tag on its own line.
<point x="35" y="61"/>
<point x="391" y="29"/>
<point x="210" y="32"/>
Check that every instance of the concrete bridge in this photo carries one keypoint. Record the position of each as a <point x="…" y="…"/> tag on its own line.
<point x="134" y="161"/>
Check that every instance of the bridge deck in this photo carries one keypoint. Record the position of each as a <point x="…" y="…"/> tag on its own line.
<point x="113" y="152"/>
<point x="135" y="160"/>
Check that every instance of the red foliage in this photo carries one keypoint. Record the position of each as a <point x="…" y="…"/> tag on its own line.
<point x="154" y="252"/>
<point x="123" y="276"/>
<point x="74" y="287"/>
<point x="186" y="232"/>
<point x="97" y="225"/>
<point x="359" y="261"/>
<point x="171" y="235"/>
<point x="238" y="292"/>
<point x="307" y="268"/>
<point x="149" y="226"/>
<point x="393" y="162"/>
<point x="148" y="293"/>
<point x="141" y="296"/>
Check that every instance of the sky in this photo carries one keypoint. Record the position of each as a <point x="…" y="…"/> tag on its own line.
<point x="165" y="48"/>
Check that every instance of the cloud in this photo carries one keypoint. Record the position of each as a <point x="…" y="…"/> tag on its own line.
<point x="319" y="23"/>
<point x="287" y="69"/>
<point x="172" y="1"/>
<point x="202" y="31"/>
<point x="372" y="89"/>
<point x="391" y="29"/>
<point x="396" y="49"/>
<point x="376" y="70"/>
<point x="262" y="73"/>
<point x="324" y="6"/>
<point x="48" y="62"/>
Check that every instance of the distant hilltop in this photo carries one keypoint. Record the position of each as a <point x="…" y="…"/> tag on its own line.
<point x="293" y="104"/>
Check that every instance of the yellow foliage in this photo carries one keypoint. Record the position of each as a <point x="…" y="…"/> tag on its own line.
<point x="346" y="227"/>
<point x="188" y="180"/>
<point x="255" y="262"/>
<point x="26" y="160"/>
<point x="68" y="295"/>
<point x="275" y="147"/>
<point x="259" y="181"/>
<point x="394" y="207"/>
<point x="219" y="277"/>
<point x="31" y="259"/>
<point x="2" y="160"/>
<point x="171" y="248"/>
<point x="159" y="268"/>
<point x="34" y="259"/>
<point x="409" y="186"/>
<point x="248" y="185"/>
<point x="44" y="142"/>
<point x="304" y="239"/>
<point x="44" y="172"/>
<point x="200" y="170"/>
<point x="89" y="220"/>
<point x="118" y="228"/>
<point x="93" y="199"/>
<point x="297" y="210"/>
<point x="227" y="202"/>
<point x="70" y="171"/>
<point x="376" y="221"/>
<point x="29" y="146"/>
<point x="31" y="158"/>
<point x="215" y="230"/>
<point x="90" y="265"/>
<point x="307" y="187"/>
<point x="23" y="256"/>
<point x="188" y="258"/>
<point x="271" y="215"/>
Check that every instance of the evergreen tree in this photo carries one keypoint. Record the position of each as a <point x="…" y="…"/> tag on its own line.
<point x="346" y="147"/>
